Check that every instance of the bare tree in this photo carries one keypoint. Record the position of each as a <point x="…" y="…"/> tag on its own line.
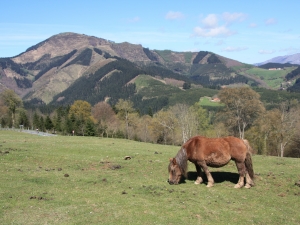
<point x="261" y="133"/>
<point x="164" y="124"/>
<point x="144" y="128"/>
<point x="187" y="120"/>
<point x="286" y="126"/>
<point x="125" y="107"/>
<point x="104" y="116"/>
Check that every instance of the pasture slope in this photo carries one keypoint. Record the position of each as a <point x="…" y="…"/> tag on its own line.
<point x="85" y="180"/>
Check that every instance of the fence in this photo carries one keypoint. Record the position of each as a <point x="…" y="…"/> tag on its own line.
<point x="29" y="131"/>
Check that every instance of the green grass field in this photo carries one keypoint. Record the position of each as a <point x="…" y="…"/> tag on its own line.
<point x="205" y="101"/>
<point x="272" y="77"/>
<point x="85" y="180"/>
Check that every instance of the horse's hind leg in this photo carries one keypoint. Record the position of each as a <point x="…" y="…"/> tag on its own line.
<point x="199" y="174"/>
<point x="249" y="181"/>
<point x="207" y="173"/>
<point x="242" y="171"/>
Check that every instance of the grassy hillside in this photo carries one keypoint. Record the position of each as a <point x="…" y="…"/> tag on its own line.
<point x="272" y="77"/>
<point x="149" y="87"/>
<point x="82" y="180"/>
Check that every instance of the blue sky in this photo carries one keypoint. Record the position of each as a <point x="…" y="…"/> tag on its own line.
<point x="247" y="31"/>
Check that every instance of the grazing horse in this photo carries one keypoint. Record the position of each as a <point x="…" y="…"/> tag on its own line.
<point x="213" y="152"/>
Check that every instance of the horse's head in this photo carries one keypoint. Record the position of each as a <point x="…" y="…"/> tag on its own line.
<point x="175" y="173"/>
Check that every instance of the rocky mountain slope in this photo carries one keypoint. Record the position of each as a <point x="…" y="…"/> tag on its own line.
<point x="51" y="67"/>
<point x="292" y="59"/>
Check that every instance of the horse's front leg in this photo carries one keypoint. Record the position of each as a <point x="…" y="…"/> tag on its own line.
<point x="207" y="173"/>
<point x="199" y="174"/>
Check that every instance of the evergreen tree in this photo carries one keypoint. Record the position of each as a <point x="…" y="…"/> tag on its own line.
<point x="42" y="124"/>
<point x="68" y="126"/>
<point x="23" y="119"/>
<point x="48" y="123"/>
<point x="57" y="122"/>
<point x="3" y="122"/>
<point x="90" y="128"/>
<point x="36" y="121"/>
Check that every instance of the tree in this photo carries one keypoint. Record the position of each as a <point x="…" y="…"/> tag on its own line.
<point x="3" y="113"/>
<point x="104" y="116"/>
<point x="102" y="112"/>
<point x="186" y="85"/>
<point x="286" y="125"/>
<point x="81" y="111"/>
<point x="12" y="101"/>
<point x="187" y="120"/>
<point x="23" y="119"/>
<point x="261" y="133"/>
<point x="48" y="123"/>
<point x="90" y="128"/>
<point x="125" y="107"/>
<point x="164" y="124"/>
<point x="144" y="128"/>
<point x="242" y="107"/>
<point x="203" y="120"/>
<point x="57" y="122"/>
<point x="42" y="124"/>
<point x="36" y="121"/>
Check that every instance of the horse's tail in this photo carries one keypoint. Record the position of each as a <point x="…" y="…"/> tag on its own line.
<point x="249" y="165"/>
<point x="246" y="142"/>
<point x="248" y="160"/>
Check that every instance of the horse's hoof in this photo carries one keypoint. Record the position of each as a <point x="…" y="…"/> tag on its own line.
<point x="197" y="182"/>
<point x="247" y="186"/>
<point x="209" y="185"/>
<point x="238" y="186"/>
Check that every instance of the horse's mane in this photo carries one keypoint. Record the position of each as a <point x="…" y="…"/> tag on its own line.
<point x="181" y="160"/>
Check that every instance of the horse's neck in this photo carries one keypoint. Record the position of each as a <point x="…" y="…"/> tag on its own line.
<point x="181" y="159"/>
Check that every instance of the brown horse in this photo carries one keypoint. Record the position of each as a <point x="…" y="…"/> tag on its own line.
<point x="213" y="152"/>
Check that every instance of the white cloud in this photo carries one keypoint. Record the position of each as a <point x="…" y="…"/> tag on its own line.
<point x="234" y="49"/>
<point x="174" y="15"/>
<point x="214" y="25"/>
<point x="134" y="20"/>
<point x="210" y="21"/>
<point x="253" y="25"/>
<point x="264" y="52"/>
<point x="221" y="31"/>
<point x="220" y="42"/>
<point x="232" y="17"/>
<point x="289" y="49"/>
<point x="270" y="21"/>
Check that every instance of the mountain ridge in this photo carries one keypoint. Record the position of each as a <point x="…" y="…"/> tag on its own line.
<point x="292" y="59"/>
<point x="51" y="71"/>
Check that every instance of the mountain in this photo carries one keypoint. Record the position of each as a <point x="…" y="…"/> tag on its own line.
<point x="292" y="59"/>
<point x="70" y="66"/>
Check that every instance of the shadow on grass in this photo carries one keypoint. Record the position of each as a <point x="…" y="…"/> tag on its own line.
<point x="219" y="177"/>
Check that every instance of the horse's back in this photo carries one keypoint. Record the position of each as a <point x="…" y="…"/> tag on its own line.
<point x="238" y="148"/>
<point x="215" y="151"/>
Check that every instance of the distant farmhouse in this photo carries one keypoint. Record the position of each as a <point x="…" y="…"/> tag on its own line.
<point x="275" y="68"/>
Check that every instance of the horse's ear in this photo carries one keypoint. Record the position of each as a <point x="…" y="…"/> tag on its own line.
<point x="174" y="161"/>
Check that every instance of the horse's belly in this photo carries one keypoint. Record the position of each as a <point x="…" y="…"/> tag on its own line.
<point x="217" y="160"/>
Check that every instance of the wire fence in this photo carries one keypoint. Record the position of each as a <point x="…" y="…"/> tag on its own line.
<point x="35" y="132"/>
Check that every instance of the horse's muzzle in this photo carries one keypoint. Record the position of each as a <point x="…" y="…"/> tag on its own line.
<point x="171" y="182"/>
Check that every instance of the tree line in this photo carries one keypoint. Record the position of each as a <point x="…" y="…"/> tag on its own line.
<point x="271" y="132"/>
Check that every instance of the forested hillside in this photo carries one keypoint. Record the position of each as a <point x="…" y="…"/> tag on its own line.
<point x="50" y="71"/>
